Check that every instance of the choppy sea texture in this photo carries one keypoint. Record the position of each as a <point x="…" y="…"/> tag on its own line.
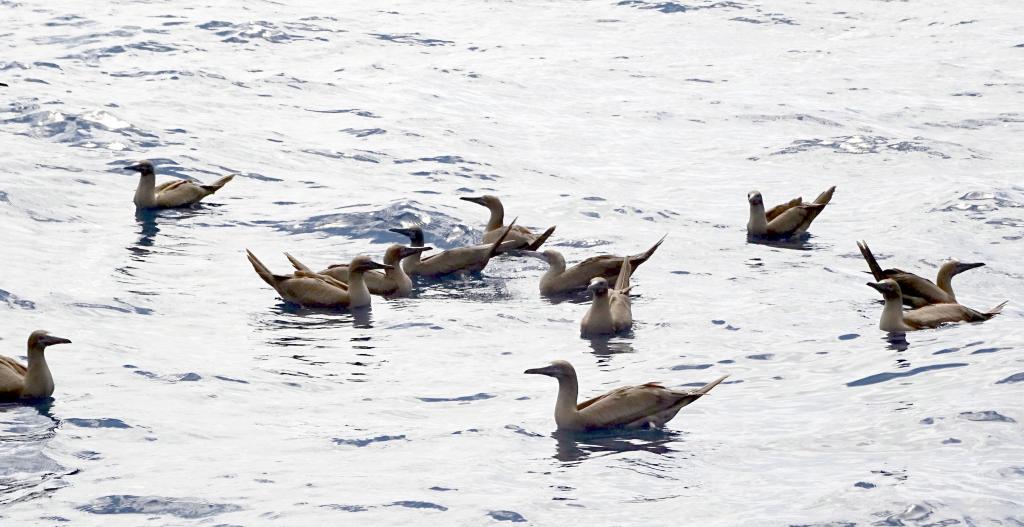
<point x="193" y="395"/>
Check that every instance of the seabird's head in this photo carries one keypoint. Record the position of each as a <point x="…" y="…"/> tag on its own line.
<point x="558" y="369"/>
<point x="363" y="263"/>
<point x="40" y="339"/>
<point x="598" y="286"/>
<point x="954" y="267"/>
<point x="414" y="233"/>
<point x="888" y="287"/>
<point x="486" y="200"/>
<point x="754" y="198"/>
<point x="143" y="167"/>
<point x="396" y="253"/>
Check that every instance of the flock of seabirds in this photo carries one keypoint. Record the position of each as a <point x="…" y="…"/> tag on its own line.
<point x="606" y="277"/>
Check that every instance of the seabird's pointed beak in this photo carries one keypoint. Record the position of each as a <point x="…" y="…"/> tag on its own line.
<point x="547" y="370"/>
<point x="403" y="232"/>
<point x="876" y="286"/>
<point x="409" y="251"/>
<point x="961" y="267"/>
<point x="378" y="265"/>
<point x="50" y="340"/>
<point x="136" y="168"/>
<point x="478" y="201"/>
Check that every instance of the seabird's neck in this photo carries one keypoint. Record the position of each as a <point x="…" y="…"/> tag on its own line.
<point x="358" y="293"/>
<point x="145" y="193"/>
<point x="892" y="316"/>
<point x="566" y="414"/>
<point x="497" y="219"/>
<point x="758" y="224"/>
<point x="38" y="380"/>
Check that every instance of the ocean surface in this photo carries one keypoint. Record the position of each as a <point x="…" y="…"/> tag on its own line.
<point x="192" y="395"/>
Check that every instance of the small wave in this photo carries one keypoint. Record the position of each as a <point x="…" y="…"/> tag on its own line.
<point x="155" y="505"/>
<point x="412" y="39"/>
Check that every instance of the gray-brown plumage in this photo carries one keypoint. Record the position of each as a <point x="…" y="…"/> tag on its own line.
<point x="610" y="311"/>
<point x="469" y="259"/>
<point x="559" y="280"/>
<point x="918" y="291"/>
<point x="18" y="381"/>
<point x="311" y="289"/>
<point x="895" y="320"/>
<point x="172" y="194"/>
<point x="393" y="282"/>
<point x="524" y="238"/>
<point x="645" y="406"/>
<point x="786" y="220"/>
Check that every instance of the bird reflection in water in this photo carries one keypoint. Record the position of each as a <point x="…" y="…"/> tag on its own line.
<point x="576" y="446"/>
<point x="605" y="347"/>
<point x="897" y="341"/>
<point x="292" y="316"/>
<point x="148" y="230"/>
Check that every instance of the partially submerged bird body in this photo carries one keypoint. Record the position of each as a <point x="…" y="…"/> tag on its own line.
<point x="523" y="237"/>
<point x="789" y="219"/>
<point x="895" y="320"/>
<point x="172" y="194"/>
<point x="610" y="310"/>
<point x="648" y="405"/>
<point x="310" y="289"/>
<point x="917" y="291"/>
<point x="469" y="259"/>
<point x="393" y="282"/>
<point x="559" y="280"/>
<point x="18" y="381"/>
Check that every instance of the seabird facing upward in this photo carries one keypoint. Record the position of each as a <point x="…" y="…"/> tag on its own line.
<point x="309" y="289"/>
<point x="172" y="194"/>
<point x="469" y="259"/>
<point x="34" y="381"/>
<point x="783" y="221"/>
<point x="895" y="320"/>
<point x="610" y="310"/>
<point x="393" y="282"/>
<point x="526" y="239"/>
<point x="630" y="407"/>
<point x="559" y="280"/>
<point x="918" y="291"/>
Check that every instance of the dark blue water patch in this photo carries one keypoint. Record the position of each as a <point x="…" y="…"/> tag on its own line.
<point x="417" y="505"/>
<point x="945" y="350"/>
<point x="442" y="489"/>
<point x="157" y="505"/>
<point x="14" y="301"/>
<point x="465" y="398"/>
<point x="888" y="376"/>
<point x="987" y="416"/>
<point x="263" y="30"/>
<point x="507" y="516"/>
<point x="848" y="336"/>
<point x="1010" y="472"/>
<point x="446" y="160"/>
<point x="673" y="7"/>
<point x="368" y="441"/>
<point x="594" y="198"/>
<point x="1015" y="378"/>
<point x="988" y="350"/>
<point x="762" y="356"/>
<point x="412" y="39"/>
<point x="364" y="132"/>
<point x="353" y="111"/>
<point x="966" y="94"/>
<point x="186" y="377"/>
<point x="102" y="422"/>
<point x="37" y="81"/>
<point x="691" y="367"/>
<point x="951" y="441"/>
<point x="229" y="379"/>
<point x="864" y="485"/>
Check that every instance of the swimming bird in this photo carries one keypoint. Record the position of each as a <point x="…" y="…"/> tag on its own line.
<point x="630" y="407"/>
<point x="309" y="289"/>
<point x="526" y="239"/>
<point x="918" y="291"/>
<point x="172" y="194"/>
<point x="469" y="259"/>
<point x="610" y="310"/>
<point x="559" y="280"/>
<point x="391" y="283"/>
<point x="788" y="219"/>
<point x="895" y="320"/>
<point x="18" y="381"/>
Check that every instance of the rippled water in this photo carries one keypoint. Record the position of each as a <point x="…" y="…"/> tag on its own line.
<point x="192" y="394"/>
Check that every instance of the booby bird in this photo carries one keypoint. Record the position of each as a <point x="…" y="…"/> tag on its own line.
<point x="310" y="289"/>
<point x="895" y="320"/>
<point x="391" y="283"/>
<point x="172" y="194"/>
<point x="630" y="407"/>
<point x="526" y="239"/>
<point x="469" y="259"/>
<point x="918" y="291"/>
<point x="788" y="219"/>
<point x="558" y="280"/>
<point x="610" y="310"/>
<point x="18" y="381"/>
